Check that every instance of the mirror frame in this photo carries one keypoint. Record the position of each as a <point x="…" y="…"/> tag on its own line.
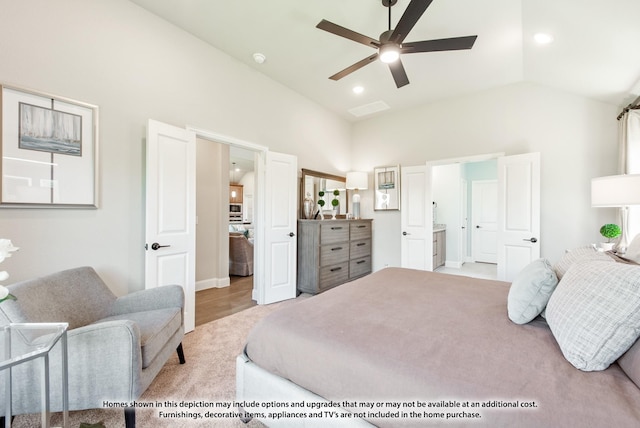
<point x="318" y="174"/>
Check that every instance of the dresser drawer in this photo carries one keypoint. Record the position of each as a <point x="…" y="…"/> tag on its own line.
<point x="360" y="249"/>
<point x="333" y="275"/>
<point x="359" y="230"/>
<point x="334" y="253"/>
<point x="330" y="233"/>
<point x="359" y="267"/>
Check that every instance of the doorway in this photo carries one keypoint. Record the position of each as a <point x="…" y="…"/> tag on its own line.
<point x="465" y="203"/>
<point x="224" y="238"/>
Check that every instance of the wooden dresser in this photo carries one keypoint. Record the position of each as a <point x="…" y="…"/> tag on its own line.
<point x="332" y="252"/>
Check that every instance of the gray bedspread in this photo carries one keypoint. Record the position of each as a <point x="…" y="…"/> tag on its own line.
<point x="407" y="335"/>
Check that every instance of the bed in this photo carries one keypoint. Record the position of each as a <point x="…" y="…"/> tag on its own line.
<point x="422" y="348"/>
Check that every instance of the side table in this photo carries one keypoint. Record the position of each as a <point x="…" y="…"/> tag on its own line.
<point x="22" y="342"/>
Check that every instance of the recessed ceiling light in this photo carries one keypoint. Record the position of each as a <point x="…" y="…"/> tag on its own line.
<point x="543" y="38"/>
<point x="259" y="58"/>
<point x="358" y="89"/>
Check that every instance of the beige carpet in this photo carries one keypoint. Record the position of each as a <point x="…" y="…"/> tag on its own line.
<point x="208" y="375"/>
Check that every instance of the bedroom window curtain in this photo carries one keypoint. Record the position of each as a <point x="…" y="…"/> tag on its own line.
<point x="629" y="137"/>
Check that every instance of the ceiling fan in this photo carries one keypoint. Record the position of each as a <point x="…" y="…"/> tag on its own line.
<point x="390" y="46"/>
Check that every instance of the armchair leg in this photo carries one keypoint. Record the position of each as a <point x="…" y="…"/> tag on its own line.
<point x="130" y="417"/>
<point x="180" y="353"/>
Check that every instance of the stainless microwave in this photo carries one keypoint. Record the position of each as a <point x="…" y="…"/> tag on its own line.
<point x="235" y="209"/>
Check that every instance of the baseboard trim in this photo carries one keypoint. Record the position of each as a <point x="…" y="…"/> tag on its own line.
<point x="205" y="284"/>
<point x="451" y="264"/>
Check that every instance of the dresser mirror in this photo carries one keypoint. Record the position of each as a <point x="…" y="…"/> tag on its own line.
<point x="312" y="183"/>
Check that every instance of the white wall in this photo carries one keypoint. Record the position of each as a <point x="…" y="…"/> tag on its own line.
<point x="575" y="136"/>
<point x="135" y="66"/>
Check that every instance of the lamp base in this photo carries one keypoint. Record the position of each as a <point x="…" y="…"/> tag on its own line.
<point x="356" y="210"/>
<point x="623" y="243"/>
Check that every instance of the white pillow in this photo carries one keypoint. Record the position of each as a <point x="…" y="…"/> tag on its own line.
<point x="576" y="255"/>
<point x="530" y="291"/>
<point x="594" y="313"/>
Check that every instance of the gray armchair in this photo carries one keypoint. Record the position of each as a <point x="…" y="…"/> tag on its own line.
<point x="116" y="346"/>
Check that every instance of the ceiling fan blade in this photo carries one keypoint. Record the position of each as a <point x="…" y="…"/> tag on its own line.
<point x="408" y="20"/>
<point x="452" y="44"/>
<point x="358" y="65"/>
<point x="399" y="75"/>
<point x="348" y="34"/>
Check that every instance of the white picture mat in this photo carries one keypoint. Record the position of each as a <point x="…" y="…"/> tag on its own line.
<point x="41" y="178"/>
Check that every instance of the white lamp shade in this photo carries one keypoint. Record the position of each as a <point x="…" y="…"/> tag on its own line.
<point x="357" y="180"/>
<point x="615" y="191"/>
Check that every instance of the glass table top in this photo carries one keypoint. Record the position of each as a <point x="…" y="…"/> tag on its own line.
<point x="20" y="342"/>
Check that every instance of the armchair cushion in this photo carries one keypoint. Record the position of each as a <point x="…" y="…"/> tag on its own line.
<point x="156" y="328"/>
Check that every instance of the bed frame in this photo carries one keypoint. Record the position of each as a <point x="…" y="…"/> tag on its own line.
<point x="255" y="383"/>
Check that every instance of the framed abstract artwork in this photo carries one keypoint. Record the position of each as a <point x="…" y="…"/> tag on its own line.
<point x="386" y="188"/>
<point x="49" y="151"/>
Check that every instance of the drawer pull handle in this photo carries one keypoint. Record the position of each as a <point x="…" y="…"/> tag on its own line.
<point x="361" y="244"/>
<point x="360" y="226"/>
<point x="335" y="269"/>
<point x="359" y="262"/>
<point x="336" y="248"/>
<point x="336" y="228"/>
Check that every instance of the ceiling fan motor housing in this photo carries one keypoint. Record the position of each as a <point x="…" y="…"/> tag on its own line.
<point x="389" y="3"/>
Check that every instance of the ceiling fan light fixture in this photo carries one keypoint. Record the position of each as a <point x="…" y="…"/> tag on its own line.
<point x="389" y="53"/>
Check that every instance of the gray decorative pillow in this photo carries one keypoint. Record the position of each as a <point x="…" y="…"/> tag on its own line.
<point x="530" y="291"/>
<point x="576" y="255"/>
<point x="594" y="313"/>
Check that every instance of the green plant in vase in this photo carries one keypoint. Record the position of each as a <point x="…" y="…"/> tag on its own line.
<point x="321" y="203"/>
<point x="335" y="202"/>
<point x="609" y="231"/>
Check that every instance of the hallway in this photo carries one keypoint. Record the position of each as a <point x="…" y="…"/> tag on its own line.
<point x="215" y="303"/>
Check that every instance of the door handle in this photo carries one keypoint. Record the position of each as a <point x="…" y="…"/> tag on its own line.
<point x="291" y="234"/>
<point x="478" y="226"/>
<point x="155" y="246"/>
<point x="534" y="240"/>
<point x="405" y="233"/>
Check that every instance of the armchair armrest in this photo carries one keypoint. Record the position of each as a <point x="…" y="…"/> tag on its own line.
<point x="105" y="363"/>
<point x="167" y="296"/>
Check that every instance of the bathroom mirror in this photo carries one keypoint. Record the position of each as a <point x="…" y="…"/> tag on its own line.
<point x="312" y="182"/>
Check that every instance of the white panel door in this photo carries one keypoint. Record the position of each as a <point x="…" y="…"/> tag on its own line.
<point x="416" y="218"/>
<point x="280" y="213"/>
<point x="518" y="213"/>
<point x="170" y="211"/>
<point x="484" y="214"/>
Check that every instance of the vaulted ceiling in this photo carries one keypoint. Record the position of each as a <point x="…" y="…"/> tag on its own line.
<point x="595" y="51"/>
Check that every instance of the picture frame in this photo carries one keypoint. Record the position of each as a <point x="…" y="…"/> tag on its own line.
<point x="48" y="149"/>
<point x="386" y="181"/>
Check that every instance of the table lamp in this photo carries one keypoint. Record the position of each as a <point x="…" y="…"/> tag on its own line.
<point x="617" y="191"/>
<point x="356" y="181"/>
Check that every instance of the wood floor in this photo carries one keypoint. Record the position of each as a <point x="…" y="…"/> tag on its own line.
<point x="215" y="303"/>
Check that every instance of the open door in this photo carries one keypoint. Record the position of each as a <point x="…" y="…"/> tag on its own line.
<point x="416" y="218"/>
<point x="518" y="213"/>
<point x="279" y="252"/>
<point x="170" y="211"/>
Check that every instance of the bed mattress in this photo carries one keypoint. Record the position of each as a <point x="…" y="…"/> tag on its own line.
<point x="408" y="336"/>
